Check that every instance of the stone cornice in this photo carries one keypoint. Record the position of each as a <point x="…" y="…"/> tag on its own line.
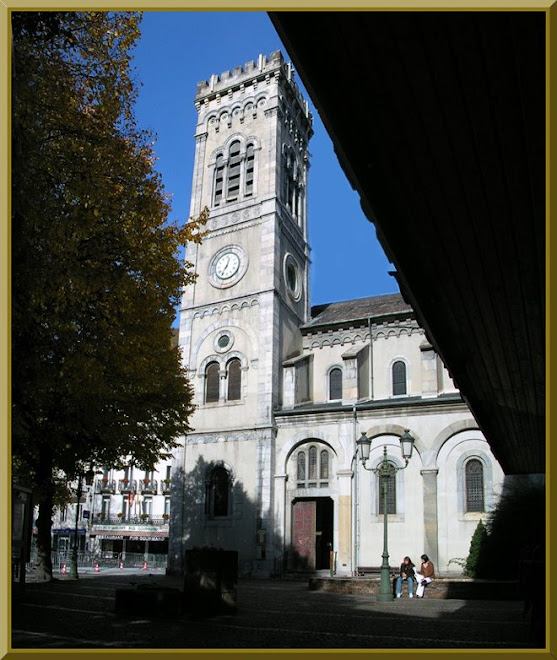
<point x="351" y="332"/>
<point x="234" y="304"/>
<point x="249" y="435"/>
<point x="382" y="407"/>
<point x="391" y="319"/>
<point x="216" y="224"/>
<point x="338" y="337"/>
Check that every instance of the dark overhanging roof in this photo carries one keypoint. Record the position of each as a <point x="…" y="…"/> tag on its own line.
<point x="438" y="120"/>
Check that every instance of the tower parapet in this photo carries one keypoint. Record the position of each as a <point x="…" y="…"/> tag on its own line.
<point x="250" y="75"/>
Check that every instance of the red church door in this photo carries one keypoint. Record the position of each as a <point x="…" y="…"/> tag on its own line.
<point x="303" y="534"/>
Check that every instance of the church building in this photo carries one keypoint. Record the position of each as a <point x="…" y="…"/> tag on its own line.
<point x="284" y="391"/>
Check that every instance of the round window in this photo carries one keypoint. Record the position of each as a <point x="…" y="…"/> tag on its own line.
<point x="223" y="341"/>
<point x="292" y="277"/>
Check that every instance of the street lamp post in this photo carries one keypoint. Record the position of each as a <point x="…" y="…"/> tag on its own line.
<point x="384" y="471"/>
<point x="79" y="492"/>
<point x="73" y="563"/>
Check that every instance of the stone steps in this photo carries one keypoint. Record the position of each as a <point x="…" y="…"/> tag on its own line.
<point x="443" y="588"/>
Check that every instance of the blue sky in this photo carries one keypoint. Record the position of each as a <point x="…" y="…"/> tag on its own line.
<point x="179" y="49"/>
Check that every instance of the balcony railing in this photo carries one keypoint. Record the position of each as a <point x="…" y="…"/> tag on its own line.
<point x="105" y="486"/>
<point x="127" y="485"/>
<point x="142" y="519"/>
<point x="148" y="486"/>
<point x="165" y="486"/>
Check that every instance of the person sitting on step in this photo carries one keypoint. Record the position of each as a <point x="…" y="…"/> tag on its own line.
<point x="424" y="576"/>
<point x="406" y="573"/>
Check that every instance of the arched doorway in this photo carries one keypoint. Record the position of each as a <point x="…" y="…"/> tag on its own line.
<point x="312" y="533"/>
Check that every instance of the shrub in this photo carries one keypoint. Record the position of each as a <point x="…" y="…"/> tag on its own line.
<point x="477" y="546"/>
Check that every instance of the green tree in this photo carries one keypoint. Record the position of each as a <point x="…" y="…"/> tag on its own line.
<point x="95" y="270"/>
<point x="477" y="544"/>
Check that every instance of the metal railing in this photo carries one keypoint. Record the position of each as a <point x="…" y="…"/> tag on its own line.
<point x="145" y="519"/>
<point x="61" y="561"/>
<point x="108" y="486"/>
<point x="148" y="486"/>
<point x="127" y="486"/>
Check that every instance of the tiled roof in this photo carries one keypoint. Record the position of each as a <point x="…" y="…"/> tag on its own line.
<point x="361" y="308"/>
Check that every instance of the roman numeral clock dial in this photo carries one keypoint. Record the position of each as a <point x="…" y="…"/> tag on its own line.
<point x="227" y="266"/>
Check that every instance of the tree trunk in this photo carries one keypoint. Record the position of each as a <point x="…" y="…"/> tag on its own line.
<point x="44" y="521"/>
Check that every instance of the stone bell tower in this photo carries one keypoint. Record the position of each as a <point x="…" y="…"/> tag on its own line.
<point x="240" y="320"/>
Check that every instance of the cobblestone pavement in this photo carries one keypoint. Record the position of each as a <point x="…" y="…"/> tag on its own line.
<point x="69" y="613"/>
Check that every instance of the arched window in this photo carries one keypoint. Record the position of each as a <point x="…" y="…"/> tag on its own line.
<point x="474" y="475"/>
<point x="234" y="175"/>
<point x="335" y="384"/>
<point x="312" y="472"/>
<point x="312" y="467"/>
<point x="391" y="494"/>
<point x="250" y="161"/>
<point x="219" y="180"/>
<point x="291" y="182"/>
<point x="234" y="170"/>
<point x="234" y="380"/>
<point x="399" y="377"/>
<point x="218" y="493"/>
<point x="212" y="382"/>
<point x="301" y="466"/>
<point x="324" y="464"/>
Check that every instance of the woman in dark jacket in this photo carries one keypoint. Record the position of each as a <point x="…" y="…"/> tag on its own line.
<point x="406" y="573"/>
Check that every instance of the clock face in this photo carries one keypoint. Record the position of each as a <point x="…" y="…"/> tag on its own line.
<point x="227" y="265"/>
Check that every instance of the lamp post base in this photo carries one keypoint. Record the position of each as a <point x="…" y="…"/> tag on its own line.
<point x="385" y="593"/>
<point x="385" y="598"/>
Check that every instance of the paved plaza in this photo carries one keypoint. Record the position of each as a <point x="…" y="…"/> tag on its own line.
<point x="272" y="614"/>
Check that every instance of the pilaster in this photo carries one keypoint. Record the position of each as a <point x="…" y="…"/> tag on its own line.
<point x="431" y="520"/>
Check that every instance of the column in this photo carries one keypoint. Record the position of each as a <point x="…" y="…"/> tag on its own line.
<point x="280" y="522"/>
<point x="431" y="522"/>
<point x="343" y="526"/>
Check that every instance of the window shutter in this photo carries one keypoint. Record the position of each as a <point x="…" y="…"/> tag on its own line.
<point x="233" y="187"/>
<point x="250" y="158"/>
<point x="219" y="180"/>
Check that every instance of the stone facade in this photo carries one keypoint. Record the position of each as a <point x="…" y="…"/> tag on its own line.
<point x="283" y="391"/>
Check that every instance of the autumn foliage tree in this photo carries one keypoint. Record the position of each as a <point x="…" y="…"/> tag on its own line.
<point x="95" y="270"/>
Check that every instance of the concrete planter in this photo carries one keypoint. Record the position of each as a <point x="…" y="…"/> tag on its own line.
<point x="210" y="581"/>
